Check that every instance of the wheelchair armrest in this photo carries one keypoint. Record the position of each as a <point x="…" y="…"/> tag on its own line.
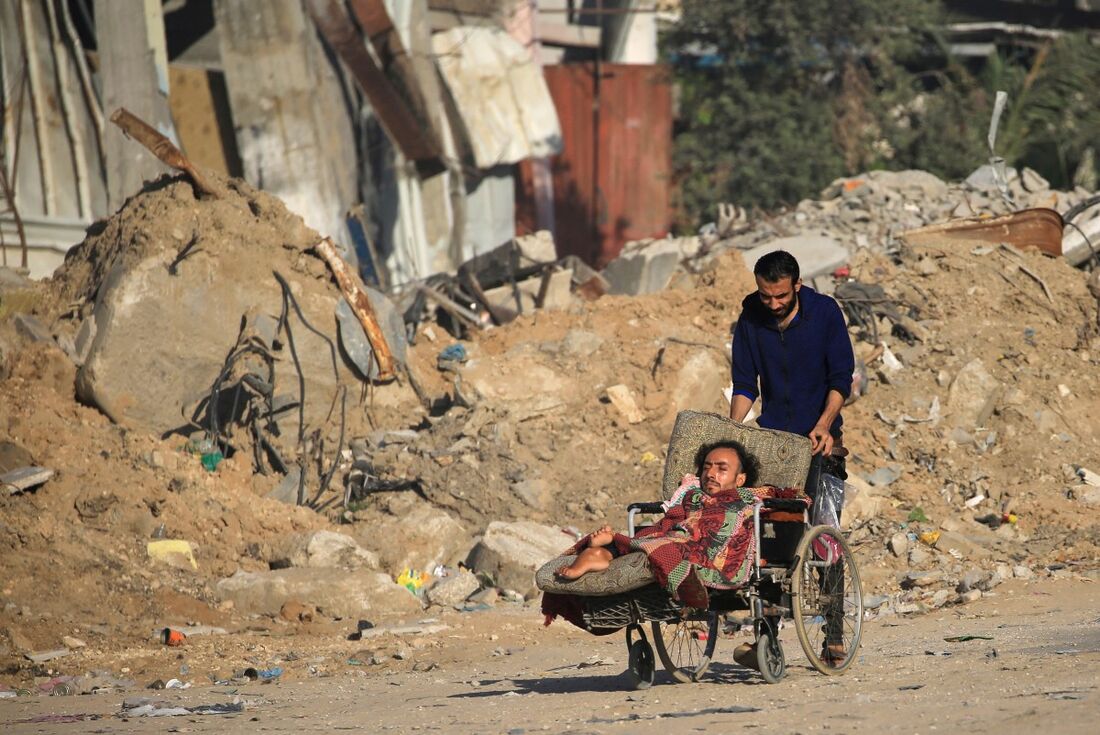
<point x="646" y="507"/>
<point x="635" y="508"/>
<point x="783" y="504"/>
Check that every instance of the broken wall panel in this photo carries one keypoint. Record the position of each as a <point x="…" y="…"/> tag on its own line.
<point x="612" y="178"/>
<point x="500" y="93"/>
<point x="57" y="175"/>
<point x="200" y="110"/>
<point x="130" y="40"/>
<point x="290" y="113"/>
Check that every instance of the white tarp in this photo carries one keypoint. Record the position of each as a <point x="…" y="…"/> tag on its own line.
<point x="500" y="93"/>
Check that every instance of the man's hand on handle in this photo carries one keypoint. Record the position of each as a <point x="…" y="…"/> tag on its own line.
<point x="821" y="441"/>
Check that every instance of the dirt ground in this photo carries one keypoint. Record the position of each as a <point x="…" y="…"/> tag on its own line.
<point x="535" y="414"/>
<point x="500" y="671"/>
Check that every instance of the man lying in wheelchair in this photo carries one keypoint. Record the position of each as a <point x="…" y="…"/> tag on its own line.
<point x="724" y="543"/>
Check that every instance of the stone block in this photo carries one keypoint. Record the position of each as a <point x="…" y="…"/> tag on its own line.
<point x="334" y="592"/>
<point x="558" y="293"/>
<point x="647" y="267"/>
<point x="511" y="553"/>
<point x="972" y="396"/>
<point x="816" y="254"/>
<point x="322" y="550"/>
<point x="454" y="589"/>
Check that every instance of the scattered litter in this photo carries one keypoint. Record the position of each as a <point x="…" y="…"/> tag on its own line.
<point x="144" y="707"/>
<point x="209" y="452"/>
<point x="172" y="637"/>
<point x="963" y="638"/>
<point x="176" y="684"/>
<point x="413" y="580"/>
<point x="451" y="357"/>
<point x="910" y="687"/>
<point x="917" y="515"/>
<point x="263" y="674"/>
<point x="174" y="552"/>
<point x="59" y="719"/>
<point x="929" y="537"/>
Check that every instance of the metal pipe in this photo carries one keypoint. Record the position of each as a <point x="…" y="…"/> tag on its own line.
<point x="61" y="71"/>
<point x="90" y="96"/>
<point x="45" y="160"/>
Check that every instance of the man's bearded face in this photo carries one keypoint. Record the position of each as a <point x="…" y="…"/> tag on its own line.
<point x="780" y="297"/>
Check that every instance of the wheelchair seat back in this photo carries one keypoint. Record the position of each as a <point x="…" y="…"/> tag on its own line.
<point x="783" y="458"/>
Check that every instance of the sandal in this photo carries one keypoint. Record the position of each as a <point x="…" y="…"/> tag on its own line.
<point x="834" y="654"/>
<point x="745" y="655"/>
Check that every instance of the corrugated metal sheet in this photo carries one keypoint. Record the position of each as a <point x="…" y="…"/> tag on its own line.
<point x="612" y="178"/>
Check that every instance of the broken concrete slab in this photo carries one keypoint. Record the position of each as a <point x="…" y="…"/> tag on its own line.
<point x="31" y="327"/>
<point x="817" y="255"/>
<point x="322" y="550"/>
<point x="558" y="294"/>
<point x="334" y="592"/>
<point x="647" y="266"/>
<point x="24" y="478"/>
<point x="430" y="536"/>
<point x="511" y="553"/>
<point x="699" y="382"/>
<point x="972" y="396"/>
<point x="581" y="343"/>
<point x="453" y="589"/>
<point x="622" y="398"/>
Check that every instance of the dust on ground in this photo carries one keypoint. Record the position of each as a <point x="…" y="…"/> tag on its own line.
<point x="524" y="431"/>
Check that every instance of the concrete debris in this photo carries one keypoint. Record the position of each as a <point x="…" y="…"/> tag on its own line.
<point x="622" y="399"/>
<point x="511" y="553"/>
<point x="336" y="593"/>
<point x="817" y="255"/>
<point x="647" y="266"/>
<point x="322" y="550"/>
<point x="453" y="589"/>
<point x="24" y="478"/>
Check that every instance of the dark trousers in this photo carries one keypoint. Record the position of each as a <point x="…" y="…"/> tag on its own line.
<point x="831" y="580"/>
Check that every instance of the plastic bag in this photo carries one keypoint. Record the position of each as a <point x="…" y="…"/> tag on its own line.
<point x="829" y="501"/>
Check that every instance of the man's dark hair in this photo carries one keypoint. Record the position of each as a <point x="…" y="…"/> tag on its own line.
<point x="777" y="265"/>
<point x="748" y="462"/>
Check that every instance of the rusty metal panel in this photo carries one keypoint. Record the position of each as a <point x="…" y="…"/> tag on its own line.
<point x="614" y="186"/>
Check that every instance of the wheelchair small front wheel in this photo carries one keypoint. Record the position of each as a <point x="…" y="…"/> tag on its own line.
<point x="686" y="646"/>
<point x="642" y="667"/>
<point x="769" y="657"/>
<point x="827" y="600"/>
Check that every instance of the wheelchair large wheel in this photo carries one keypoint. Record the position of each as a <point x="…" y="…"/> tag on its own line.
<point x="827" y="600"/>
<point x="686" y="646"/>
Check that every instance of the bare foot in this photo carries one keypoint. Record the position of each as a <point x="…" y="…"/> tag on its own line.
<point x="568" y="573"/>
<point x="590" y="560"/>
<point x="602" y="536"/>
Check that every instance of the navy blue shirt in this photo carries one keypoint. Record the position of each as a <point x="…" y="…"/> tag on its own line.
<point x="797" y="367"/>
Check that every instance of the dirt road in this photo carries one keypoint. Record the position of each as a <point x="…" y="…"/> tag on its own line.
<point x="499" y="671"/>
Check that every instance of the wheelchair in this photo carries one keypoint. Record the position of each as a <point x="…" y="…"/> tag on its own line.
<point x="799" y="573"/>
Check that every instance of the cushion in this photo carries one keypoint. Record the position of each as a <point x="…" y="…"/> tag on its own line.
<point x="627" y="572"/>
<point x="784" y="458"/>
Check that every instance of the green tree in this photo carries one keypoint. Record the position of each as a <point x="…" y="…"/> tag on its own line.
<point x="778" y="98"/>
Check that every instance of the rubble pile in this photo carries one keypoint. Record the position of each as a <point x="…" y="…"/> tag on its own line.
<point x="972" y="448"/>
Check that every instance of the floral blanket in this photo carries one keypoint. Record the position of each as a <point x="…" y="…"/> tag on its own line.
<point x="702" y="541"/>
